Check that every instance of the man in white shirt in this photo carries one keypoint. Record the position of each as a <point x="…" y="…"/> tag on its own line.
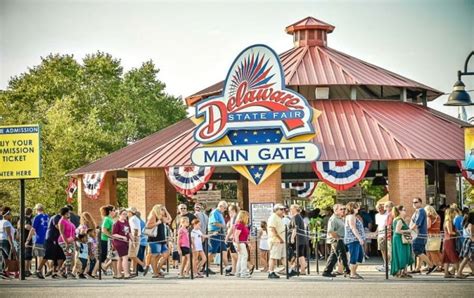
<point x="380" y="221"/>
<point x="276" y="239"/>
<point x="134" y="244"/>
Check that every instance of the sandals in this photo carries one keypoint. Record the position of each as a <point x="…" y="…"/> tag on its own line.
<point x="415" y="272"/>
<point x="356" y="277"/>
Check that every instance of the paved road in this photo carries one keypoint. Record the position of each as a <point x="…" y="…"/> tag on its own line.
<point x="374" y="285"/>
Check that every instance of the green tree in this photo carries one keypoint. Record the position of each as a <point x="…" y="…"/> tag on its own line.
<point x="375" y="191"/>
<point x="324" y="196"/>
<point x="86" y="110"/>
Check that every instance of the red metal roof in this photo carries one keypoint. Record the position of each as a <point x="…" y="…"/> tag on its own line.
<point x="346" y="130"/>
<point x="318" y="65"/>
<point x="309" y="23"/>
<point x="119" y="160"/>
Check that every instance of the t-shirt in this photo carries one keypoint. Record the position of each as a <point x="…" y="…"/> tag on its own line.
<point x="203" y="220"/>
<point x="286" y="220"/>
<point x="366" y="218"/>
<point x="183" y="237"/>
<point x="244" y="231"/>
<point x="197" y="239"/>
<point x="389" y="223"/>
<point x="335" y="224"/>
<point x="134" y="223"/>
<point x="75" y="219"/>
<point x="107" y="224"/>
<point x="122" y="229"/>
<point x="69" y="230"/>
<point x="143" y="237"/>
<point x="4" y="224"/>
<point x="274" y="221"/>
<point x="83" y="250"/>
<point x="298" y="222"/>
<point x="40" y="224"/>
<point x="52" y="234"/>
<point x="215" y="217"/>
<point x="419" y="219"/>
<point x="457" y="222"/>
<point x="380" y="220"/>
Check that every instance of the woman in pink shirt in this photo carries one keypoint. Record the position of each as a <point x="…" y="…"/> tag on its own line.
<point x="241" y="236"/>
<point x="67" y="232"/>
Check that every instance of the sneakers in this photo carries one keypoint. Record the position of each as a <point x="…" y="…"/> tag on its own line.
<point x="328" y="274"/>
<point x="430" y="270"/>
<point x="145" y="271"/>
<point x="39" y="275"/>
<point x="293" y="273"/>
<point x="381" y="268"/>
<point x="210" y="272"/>
<point x="81" y="276"/>
<point x="245" y="276"/>
<point x="272" y="275"/>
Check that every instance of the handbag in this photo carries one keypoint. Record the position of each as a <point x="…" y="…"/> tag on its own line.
<point x="151" y="232"/>
<point x="406" y="239"/>
<point x="433" y="243"/>
<point x="12" y="265"/>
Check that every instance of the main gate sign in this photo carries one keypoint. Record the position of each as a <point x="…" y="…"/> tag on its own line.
<point x="256" y="124"/>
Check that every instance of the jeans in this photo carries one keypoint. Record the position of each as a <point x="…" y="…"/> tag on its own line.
<point x="338" y="250"/>
<point x="242" y="259"/>
<point x="141" y="256"/>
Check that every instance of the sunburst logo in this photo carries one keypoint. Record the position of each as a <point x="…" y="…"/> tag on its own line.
<point x="256" y="124"/>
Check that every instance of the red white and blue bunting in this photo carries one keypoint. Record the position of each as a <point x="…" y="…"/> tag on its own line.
<point x="341" y="175"/>
<point x="304" y="189"/>
<point x="93" y="183"/>
<point x="469" y="175"/>
<point x="189" y="179"/>
<point x="71" y="189"/>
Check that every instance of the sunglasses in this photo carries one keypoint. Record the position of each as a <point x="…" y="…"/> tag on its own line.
<point x="415" y="202"/>
<point x="343" y="209"/>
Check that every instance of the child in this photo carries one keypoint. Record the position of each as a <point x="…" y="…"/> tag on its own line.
<point x="263" y="245"/>
<point x="92" y="246"/>
<point x="183" y="246"/>
<point x="241" y="236"/>
<point x="197" y="237"/>
<point x="83" y="249"/>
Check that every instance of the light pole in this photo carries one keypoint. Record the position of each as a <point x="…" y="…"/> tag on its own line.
<point x="461" y="98"/>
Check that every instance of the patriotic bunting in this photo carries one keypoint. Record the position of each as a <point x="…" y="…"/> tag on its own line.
<point x="71" y="189"/>
<point x="93" y="183"/>
<point x="189" y="179"/>
<point x="469" y="175"/>
<point x="304" y="189"/>
<point x="341" y="175"/>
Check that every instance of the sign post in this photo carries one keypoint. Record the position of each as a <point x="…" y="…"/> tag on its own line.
<point x="20" y="159"/>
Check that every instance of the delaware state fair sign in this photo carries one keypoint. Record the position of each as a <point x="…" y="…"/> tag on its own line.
<point x="256" y="124"/>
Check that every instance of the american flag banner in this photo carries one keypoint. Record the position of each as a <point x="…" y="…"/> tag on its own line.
<point x="189" y="179"/>
<point x="469" y="175"/>
<point x="71" y="189"/>
<point x="93" y="183"/>
<point x="341" y="175"/>
<point x="304" y="189"/>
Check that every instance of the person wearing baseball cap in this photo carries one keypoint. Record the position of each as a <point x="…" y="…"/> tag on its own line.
<point x="276" y="239"/>
<point x="134" y="245"/>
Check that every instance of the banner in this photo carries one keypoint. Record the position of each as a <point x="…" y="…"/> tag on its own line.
<point x="304" y="189"/>
<point x="93" y="183"/>
<point x="189" y="179"/>
<point x="71" y="189"/>
<point x="468" y="162"/>
<point x="341" y="175"/>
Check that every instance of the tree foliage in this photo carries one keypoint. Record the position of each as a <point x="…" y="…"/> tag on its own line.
<point x="324" y="196"/>
<point x="86" y="110"/>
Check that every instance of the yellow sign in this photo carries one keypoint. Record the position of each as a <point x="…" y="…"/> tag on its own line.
<point x="20" y="152"/>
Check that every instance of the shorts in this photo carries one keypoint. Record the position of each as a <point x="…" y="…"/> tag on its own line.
<point x="5" y="249"/>
<point x="176" y="256"/>
<point x="103" y="250"/>
<point x="83" y="264"/>
<point x="38" y="250"/>
<point x="185" y="251"/>
<point x="216" y="244"/>
<point x="52" y="251"/>
<point x="419" y="247"/>
<point x="356" y="252"/>
<point x="133" y="250"/>
<point x="381" y="243"/>
<point x="302" y="250"/>
<point x="158" y="248"/>
<point x="28" y="252"/>
<point x="277" y="251"/>
<point x="231" y="247"/>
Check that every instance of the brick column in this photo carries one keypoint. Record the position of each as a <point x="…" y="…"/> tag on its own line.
<point x="148" y="187"/>
<point x="450" y="182"/>
<point x="266" y="192"/>
<point x="406" y="180"/>
<point x="243" y="193"/>
<point x="107" y="196"/>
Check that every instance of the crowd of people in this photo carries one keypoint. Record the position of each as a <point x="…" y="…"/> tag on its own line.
<point x="125" y="245"/>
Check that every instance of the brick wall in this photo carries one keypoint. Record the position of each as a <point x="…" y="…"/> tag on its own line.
<point x="406" y="179"/>
<point x="147" y="187"/>
<point x="268" y="191"/>
<point x="108" y="195"/>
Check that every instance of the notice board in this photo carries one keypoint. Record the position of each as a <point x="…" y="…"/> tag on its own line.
<point x="259" y="212"/>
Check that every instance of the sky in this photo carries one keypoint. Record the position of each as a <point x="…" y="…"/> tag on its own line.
<point x="193" y="43"/>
